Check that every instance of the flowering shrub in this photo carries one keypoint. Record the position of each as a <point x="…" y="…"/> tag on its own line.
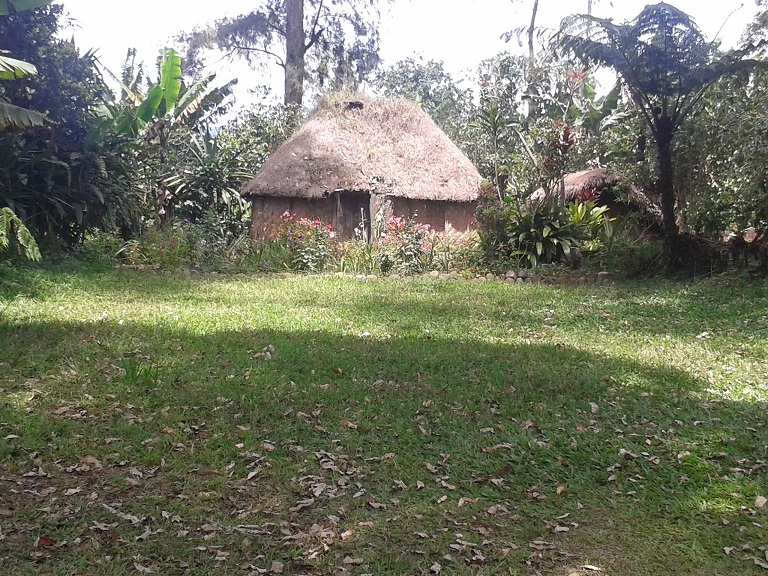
<point x="455" y="251"/>
<point x="406" y="246"/>
<point x="309" y="243"/>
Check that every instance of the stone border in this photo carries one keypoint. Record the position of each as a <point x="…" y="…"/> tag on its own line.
<point x="509" y="277"/>
<point x="524" y="277"/>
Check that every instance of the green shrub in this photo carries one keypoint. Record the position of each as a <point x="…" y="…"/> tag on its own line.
<point x="536" y="234"/>
<point x="166" y="248"/>
<point x="308" y="242"/>
<point x="218" y="243"/>
<point x="512" y="233"/>
<point x="406" y="246"/>
<point x="358" y="257"/>
<point x="99" y="249"/>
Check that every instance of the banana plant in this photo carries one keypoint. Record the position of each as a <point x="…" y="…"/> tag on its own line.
<point x="11" y="69"/>
<point x="10" y="7"/>
<point x="10" y="115"/>
<point x="169" y="103"/>
<point x="154" y="118"/>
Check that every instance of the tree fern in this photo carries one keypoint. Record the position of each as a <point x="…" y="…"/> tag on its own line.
<point x="11" y="227"/>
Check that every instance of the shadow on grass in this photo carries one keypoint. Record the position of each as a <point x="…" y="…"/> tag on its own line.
<point x="647" y="458"/>
<point x="629" y="442"/>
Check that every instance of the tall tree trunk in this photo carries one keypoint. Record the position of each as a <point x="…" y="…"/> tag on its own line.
<point x="294" y="53"/>
<point x="531" y="90"/>
<point x="666" y="191"/>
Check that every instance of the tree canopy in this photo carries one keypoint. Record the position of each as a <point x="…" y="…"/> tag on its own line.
<point x="667" y="65"/>
<point x="331" y="43"/>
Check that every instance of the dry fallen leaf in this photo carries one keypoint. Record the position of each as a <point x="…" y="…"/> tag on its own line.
<point x="541" y="545"/>
<point x="45" y="542"/>
<point x="352" y="561"/>
<point x="560" y="489"/>
<point x="92" y="461"/>
<point x="277" y="567"/>
<point x="142" y="569"/>
<point x="497" y="509"/>
<point x="301" y="504"/>
<point x="435" y="568"/>
<point x="761" y="501"/>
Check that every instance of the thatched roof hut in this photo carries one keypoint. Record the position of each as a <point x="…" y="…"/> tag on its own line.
<point x="598" y="184"/>
<point x="579" y="185"/>
<point x="356" y="157"/>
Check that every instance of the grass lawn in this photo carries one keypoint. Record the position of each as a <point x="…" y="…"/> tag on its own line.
<point x="328" y="426"/>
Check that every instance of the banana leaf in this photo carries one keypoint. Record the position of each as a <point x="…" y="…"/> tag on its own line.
<point x="8" y="7"/>
<point x="10" y="68"/>
<point x="17" y="117"/>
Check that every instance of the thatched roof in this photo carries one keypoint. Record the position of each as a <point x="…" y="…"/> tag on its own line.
<point x="392" y="146"/>
<point x="597" y="179"/>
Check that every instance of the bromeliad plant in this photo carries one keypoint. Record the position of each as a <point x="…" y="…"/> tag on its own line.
<point x="538" y="233"/>
<point x="588" y="216"/>
<point x="543" y="233"/>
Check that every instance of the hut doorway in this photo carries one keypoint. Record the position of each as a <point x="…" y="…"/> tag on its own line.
<point x="354" y="213"/>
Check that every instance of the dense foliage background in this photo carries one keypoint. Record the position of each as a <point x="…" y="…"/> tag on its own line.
<point x="165" y="154"/>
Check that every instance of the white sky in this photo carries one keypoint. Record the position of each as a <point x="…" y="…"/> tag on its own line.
<point x="461" y="33"/>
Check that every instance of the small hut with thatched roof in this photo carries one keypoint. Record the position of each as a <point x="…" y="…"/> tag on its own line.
<point x="584" y="185"/>
<point x="358" y="161"/>
<point x="599" y="185"/>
